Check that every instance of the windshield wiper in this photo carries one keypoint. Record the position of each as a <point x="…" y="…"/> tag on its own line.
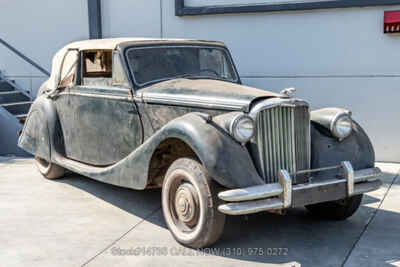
<point x="185" y="75"/>
<point x="194" y="76"/>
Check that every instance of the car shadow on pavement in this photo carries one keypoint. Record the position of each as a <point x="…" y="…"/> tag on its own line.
<point x="264" y="237"/>
<point x="12" y="160"/>
<point x="139" y="203"/>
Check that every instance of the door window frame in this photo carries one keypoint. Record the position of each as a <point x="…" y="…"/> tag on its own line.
<point x="79" y="80"/>
<point x="117" y="54"/>
<point x="77" y="67"/>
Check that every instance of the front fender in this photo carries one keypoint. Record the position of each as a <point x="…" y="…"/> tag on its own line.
<point x="228" y="162"/>
<point x="327" y="150"/>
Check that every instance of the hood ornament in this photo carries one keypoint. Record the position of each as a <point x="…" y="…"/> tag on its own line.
<point x="288" y="91"/>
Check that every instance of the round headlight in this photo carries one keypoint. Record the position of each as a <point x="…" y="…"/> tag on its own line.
<point x="242" y="128"/>
<point x="342" y="126"/>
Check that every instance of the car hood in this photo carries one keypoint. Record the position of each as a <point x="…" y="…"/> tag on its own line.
<point x="204" y="93"/>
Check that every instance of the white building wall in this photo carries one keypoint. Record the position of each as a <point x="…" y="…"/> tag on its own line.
<point x="121" y="18"/>
<point x="38" y="29"/>
<point x="335" y="57"/>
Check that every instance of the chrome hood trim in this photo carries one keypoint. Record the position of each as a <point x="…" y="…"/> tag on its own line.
<point x="201" y="101"/>
<point x="275" y="102"/>
<point x="204" y="93"/>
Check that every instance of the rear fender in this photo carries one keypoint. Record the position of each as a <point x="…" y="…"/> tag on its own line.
<point x="39" y="132"/>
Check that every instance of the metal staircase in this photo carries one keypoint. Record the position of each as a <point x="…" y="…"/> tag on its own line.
<point x="14" y="101"/>
<point x="14" y="108"/>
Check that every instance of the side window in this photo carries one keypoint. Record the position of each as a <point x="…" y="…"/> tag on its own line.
<point x="118" y="73"/>
<point x="68" y="69"/>
<point x="97" y="68"/>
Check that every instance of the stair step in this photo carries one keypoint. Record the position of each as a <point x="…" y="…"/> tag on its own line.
<point x="6" y="89"/>
<point x="5" y="86"/>
<point x="18" y="108"/>
<point x="12" y="97"/>
<point x="22" y="118"/>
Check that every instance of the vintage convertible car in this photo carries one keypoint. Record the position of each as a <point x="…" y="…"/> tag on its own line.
<point x="171" y="113"/>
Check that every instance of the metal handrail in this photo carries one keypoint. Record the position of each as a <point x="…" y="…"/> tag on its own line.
<point x="24" y="57"/>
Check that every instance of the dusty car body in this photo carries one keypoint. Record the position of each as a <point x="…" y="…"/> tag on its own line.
<point x="146" y="113"/>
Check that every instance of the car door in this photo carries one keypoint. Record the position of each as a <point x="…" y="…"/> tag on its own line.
<point x="99" y="120"/>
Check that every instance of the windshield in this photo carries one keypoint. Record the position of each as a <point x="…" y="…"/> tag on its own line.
<point x="153" y="64"/>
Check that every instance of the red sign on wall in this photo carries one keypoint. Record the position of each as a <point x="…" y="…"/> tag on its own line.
<point x="392" y="22"/>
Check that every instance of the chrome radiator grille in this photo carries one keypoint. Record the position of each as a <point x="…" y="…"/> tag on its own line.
<point x="283" y="141"/>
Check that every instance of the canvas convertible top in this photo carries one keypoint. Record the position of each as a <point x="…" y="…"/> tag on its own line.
<point x="101" y="44"/>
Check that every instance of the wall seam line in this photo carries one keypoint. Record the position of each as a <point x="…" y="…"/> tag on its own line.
<point x="161" y="20"/>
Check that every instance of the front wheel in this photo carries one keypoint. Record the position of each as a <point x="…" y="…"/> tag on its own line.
<point x="336" y="210"/>
<point x="189" y="202"/>
<point x="49" y="169"/>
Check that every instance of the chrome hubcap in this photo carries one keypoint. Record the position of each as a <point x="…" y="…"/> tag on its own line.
<point x="186" y="204"/>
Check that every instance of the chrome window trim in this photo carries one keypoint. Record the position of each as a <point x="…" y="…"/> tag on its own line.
<point x="105" y="88"/>
<point x="118" y="54"/>
<point x="58" y="77"/>
<point x="103" y="96"/>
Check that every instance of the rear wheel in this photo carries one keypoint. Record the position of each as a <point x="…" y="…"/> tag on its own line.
<point x="336" y="210"/>
<point x="189" y="202"/>
<point x="49" y="169"/>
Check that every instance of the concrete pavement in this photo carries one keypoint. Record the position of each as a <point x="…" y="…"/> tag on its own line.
<point x="77" y="221"/>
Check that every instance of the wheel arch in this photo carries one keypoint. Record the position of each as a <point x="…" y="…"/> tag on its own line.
<point x="228" y="162"/>
<point x="164" y="155"/>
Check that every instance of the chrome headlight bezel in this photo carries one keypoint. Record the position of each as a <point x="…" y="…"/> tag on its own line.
<point x="237" y="122"/>
<point x="344" y="121"/>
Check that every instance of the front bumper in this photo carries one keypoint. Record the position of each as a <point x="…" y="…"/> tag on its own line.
<point x="283" y="194"/>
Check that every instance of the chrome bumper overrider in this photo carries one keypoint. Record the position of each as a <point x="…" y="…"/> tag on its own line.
<point x="283" y="195"/>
